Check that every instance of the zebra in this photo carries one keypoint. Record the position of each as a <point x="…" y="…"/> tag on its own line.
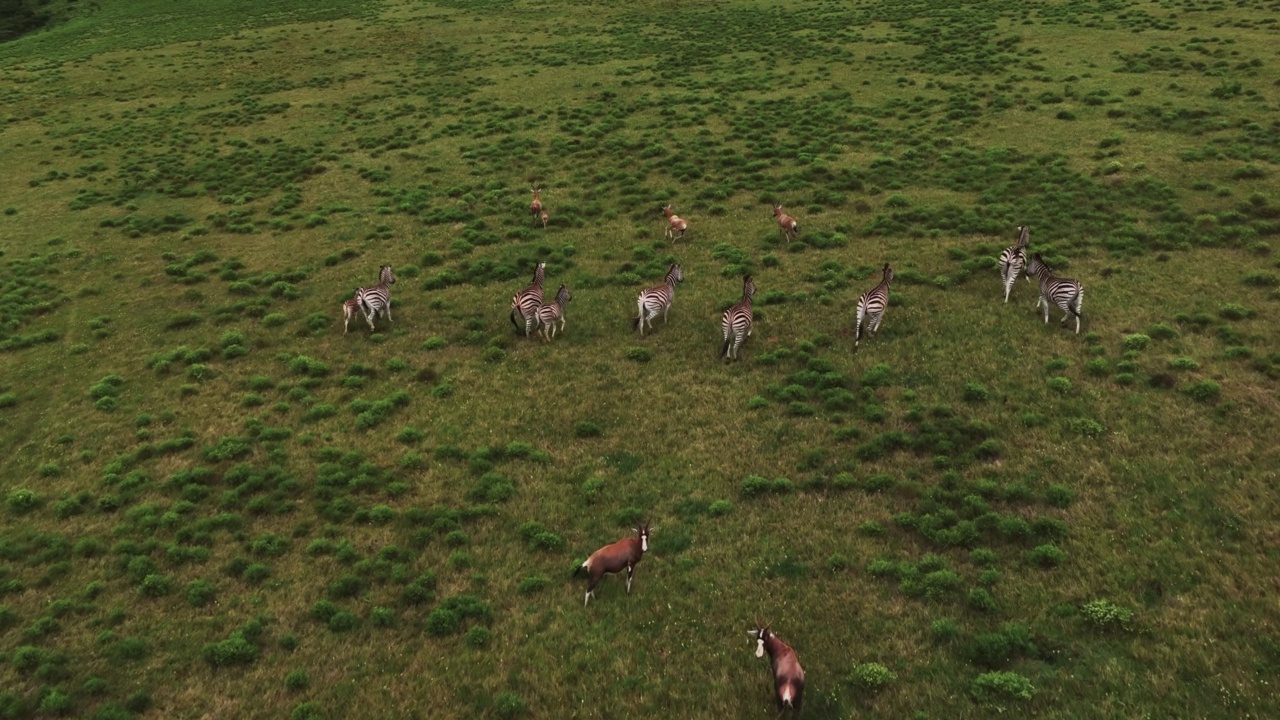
<point x="349" y="310"/>
<point x="657" y="298"/>
<point x="871" y="306"/>
<point x="737" y="320"/>
<point x="1013" y="259"/>
<point x="549" y="314"/>
<point x="376" y="299"/>
<point x="527" y="301"/>
<point x="1066" y="293"/>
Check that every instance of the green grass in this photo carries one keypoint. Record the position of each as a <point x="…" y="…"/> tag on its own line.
<point x="974" y="513"/>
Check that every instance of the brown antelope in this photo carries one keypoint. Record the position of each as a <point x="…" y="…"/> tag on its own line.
<point x="535" y="208"/>
<point x="675" y="224"/>
<point x="788" y="676"/>
<point x="790" y="228"/>
<point x="623" y="554"/>
<point x="545" y="217"/>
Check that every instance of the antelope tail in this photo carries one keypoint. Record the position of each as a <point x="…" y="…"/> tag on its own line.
<point x="578" y="569"/>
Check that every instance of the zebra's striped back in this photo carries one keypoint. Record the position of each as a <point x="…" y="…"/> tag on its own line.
<point x="377" y="299"/>
<point x="1013" y="260"/>
<point x="737" y="320"/>
<point x="658" y="298"/>
<point x="549" y="315"/>
<point x="1066" y="293"/>
<point x="527" y="301"/>
<point x="871" y="306"/>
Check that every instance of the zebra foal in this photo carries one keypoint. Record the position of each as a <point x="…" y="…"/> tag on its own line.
<point x="548" y="315"/>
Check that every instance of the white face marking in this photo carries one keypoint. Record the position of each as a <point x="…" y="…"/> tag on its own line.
<point x="644" y="543"/>
<point x="760" y="647"/>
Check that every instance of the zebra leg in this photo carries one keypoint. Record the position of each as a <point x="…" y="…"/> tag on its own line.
<point x="665" y="309"/>
<point x="1044" y="301"/>
<point x="1008" y="285"/>
<point x="388" y="308"/>
<point x="876" y="328"/>
<point x="528" y="324"/>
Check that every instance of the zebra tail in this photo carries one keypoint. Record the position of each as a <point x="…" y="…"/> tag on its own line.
<point x="1071" y="306"/>
<point x="636" y="323"/>
<point x="724" y="349"/>
<point x="513" y="318"/>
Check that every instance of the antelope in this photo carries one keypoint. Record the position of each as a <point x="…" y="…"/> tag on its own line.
<point x="614" y="558"/>
<point x="675" y="224"/>
<point x="545" y="217"/>
<point x="790" y="228"/>
<point x="788" y="676"/>
<point x="535" y="208"/>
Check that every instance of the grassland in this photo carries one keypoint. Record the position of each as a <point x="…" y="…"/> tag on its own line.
<point x="218" y="505"/>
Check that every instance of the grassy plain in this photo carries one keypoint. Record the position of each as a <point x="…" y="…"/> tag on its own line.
<point x="218" y="505"/>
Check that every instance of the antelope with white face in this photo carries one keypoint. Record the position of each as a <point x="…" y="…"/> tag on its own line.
<point x="535" y="208"/>
<point x="616" y="557"/>
<point x="788" y="676"/>
<point x="676" y="225"/>
<point x="787" y="224"/>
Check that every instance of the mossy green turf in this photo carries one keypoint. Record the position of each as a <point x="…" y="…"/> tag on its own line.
<point x="216" y="504"/>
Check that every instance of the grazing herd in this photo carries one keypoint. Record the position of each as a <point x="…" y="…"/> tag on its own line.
<point x="529" y="310"/>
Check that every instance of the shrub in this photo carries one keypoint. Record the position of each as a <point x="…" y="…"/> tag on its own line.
<point x="442" y="621"/>
<point x="1106" y="615"/>
<point x="944" y="630"/>
<point x="1137" y="341"/>
<point x="1183" y="363"/>
<point x="755" y="485"/>
<point x="1047" y="555"/>
<point x="305" y="711"/>
<point x="1086" y="427"/>
<point x="587" y="429"/>
<point x="871" y="677"/>
<point x="297" y="680"/>
<point x="478" y="636"/>
<point x="1059" y="384"/>
<point x="719" y="508"/>
<point x="639" y="354"/>
<point x="235" y="650"/>
<point x="21" y="501"/>
<point x="533" y="584"/>
<point x="8" y="399"/>
<point x="1003" y="686"/>
<point x="200" y="593"/>
<point x="976" y="392"/>
<point x="343" y="621"/>
<point x="1059" y="496"/>
<point x="1204" y="391"/>
<point x="980" y="599"/>
<point x="156" y="585"/>
<point x="508" y="705"/>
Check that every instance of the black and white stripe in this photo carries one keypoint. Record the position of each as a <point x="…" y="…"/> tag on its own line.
<point x="1013" y="260"/>
<point x="1066" y="293"/>
<point x="376" y="299"/>
<point x="527" y="301"/>
<point x="548" y="315"/>
<point x="871" y="306"/>
<point x="657" y="298"/>
<point x="737" y="320"/>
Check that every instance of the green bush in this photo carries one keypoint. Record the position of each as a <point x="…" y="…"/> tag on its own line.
<point x="1059" y="496"/>
<point x="297" y="680"/>
<point x="871" y="677"/>
<point x="21" y="501"/>
<point x="200" y="593"/>
<point x="976" y="392"/>
<point x="1000" y="687"/>
<point x="1106" y="615"/>
<point x="442" y="621"/>
<point x="1137" y="341"/>
<point x="1059" y="384"/>
<point x="1204" y="391"/>
<point x="478" y="636"/>
<point x="1046" y="556"/>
